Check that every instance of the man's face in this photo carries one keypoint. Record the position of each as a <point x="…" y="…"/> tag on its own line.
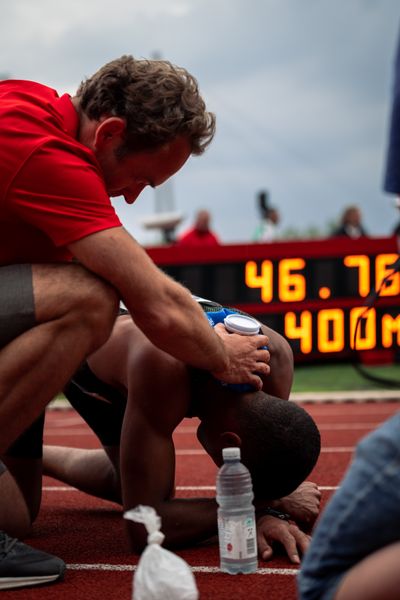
<point x="129" y="175"/>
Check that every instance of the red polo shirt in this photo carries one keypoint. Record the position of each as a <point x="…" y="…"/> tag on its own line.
<point x="51" y="188"/>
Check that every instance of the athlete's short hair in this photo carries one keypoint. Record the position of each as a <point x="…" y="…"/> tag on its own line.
<point x="280" y="443"/>
<point x="158" y="100"/>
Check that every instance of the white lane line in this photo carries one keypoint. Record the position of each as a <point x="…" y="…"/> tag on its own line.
<point x="84" y="431"/>
<point x="333" y="449"/>
<point x="64" y="422"/>
<point x="364" y="409"/>
<point x="211" y="488"/>
<point x="190" y="452"/>
<point x="185" y="430"/>
<point x="200" y="452"/>
<point x="58" y="488"/>
<point x="344" y="426"/>
<point x="67" y="432"/>
<point x="179" y="488"/>
<point x="199" y="569"/>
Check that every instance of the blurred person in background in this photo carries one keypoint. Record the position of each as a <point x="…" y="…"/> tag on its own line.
<point x="267" y="230"/>
<point x="200" y="234"/>
<point x="350" y="224"/>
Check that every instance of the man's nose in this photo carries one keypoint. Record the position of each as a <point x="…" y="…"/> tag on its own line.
<point x="134" y="192"/>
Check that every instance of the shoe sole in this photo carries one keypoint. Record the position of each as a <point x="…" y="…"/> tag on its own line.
<point x="9" y="583"/>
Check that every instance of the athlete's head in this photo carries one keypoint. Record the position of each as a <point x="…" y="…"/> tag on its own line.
<point x="158" y="101"/>
<point x="279" y="441"/>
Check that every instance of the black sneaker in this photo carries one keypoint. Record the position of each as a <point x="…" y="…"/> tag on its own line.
<point x="22" y="565"/>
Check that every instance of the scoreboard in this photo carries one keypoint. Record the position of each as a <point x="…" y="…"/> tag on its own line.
<point x="312" y="292"/>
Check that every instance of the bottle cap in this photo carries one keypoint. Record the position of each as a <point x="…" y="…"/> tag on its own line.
<point x="230" y="453"/>
<point x="242" y="324"/>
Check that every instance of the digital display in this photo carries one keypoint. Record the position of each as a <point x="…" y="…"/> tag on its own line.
<point x="311" y="292"/>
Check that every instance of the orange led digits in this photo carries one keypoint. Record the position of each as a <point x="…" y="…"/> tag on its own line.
<point x="390" y="326"/>
<point x="331" y="330"/>
<point x="361" y="262"/>
<point x="382" y="270"/>
<point x="292" y="286"/>
<point x="263" y="281"/>
<point x="366" y="336"/>
<point x="302" y="332"/>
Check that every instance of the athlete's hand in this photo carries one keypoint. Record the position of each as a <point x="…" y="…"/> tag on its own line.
<point x="271" y="530"/>
<point x="247" y="359"/>
<point x="303" y="504"/>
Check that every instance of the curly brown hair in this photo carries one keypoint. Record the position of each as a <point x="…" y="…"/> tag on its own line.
<point x="158" y="100"/>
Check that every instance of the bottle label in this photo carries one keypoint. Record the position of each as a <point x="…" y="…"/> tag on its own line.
<point x="237" y="537"/>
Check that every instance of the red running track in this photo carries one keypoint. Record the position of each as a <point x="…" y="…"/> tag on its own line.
<point x="88" y="533"/>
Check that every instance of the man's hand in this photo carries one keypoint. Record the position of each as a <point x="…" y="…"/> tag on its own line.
<point x="247" y="359"/>
<point x="303" y="504"/>
<point x="271" y="529"/>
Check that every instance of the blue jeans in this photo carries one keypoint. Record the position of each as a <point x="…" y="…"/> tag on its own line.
<point x="362" y="516"/>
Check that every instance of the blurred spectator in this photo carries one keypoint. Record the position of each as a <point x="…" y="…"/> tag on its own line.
<point x="200" y="234"/>
<point x="350" y="223"/>
<point x="267" y="229"/>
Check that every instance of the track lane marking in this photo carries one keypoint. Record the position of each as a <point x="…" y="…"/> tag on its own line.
<point x="198" y="569"/>
<point x="179" y="488"/>
<point x="56" y="430"/>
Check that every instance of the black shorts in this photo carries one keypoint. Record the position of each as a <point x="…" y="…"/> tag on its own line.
<point x="30" y="443"/>
<point x="17" y="308"/>
<point x="17" y="315"/>
<point x="99" y="404"/>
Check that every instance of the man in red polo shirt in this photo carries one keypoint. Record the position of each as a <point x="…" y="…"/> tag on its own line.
<point x="200" y="234"/>
<point x="132" y="124"/>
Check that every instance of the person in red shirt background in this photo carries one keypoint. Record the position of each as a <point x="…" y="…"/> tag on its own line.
<point x="132" y="124"/>
<point x="200" y="234"/>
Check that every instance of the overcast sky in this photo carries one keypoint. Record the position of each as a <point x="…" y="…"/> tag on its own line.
<point x="301" y="90"/>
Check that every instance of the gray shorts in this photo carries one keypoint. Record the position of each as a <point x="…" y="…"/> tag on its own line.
<point x="17" y="308"/>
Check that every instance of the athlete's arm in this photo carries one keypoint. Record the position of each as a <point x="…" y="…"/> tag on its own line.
<point x="165" y="311"/>
<point x="147" y="453"/>
<point x="279" y="381"/>
<point x="147" y="478"/>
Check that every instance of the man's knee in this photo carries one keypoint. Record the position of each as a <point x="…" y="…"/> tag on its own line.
<point x="98" y="308"/>
<point x="74" y="294"/>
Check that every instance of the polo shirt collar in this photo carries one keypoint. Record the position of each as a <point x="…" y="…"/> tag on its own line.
<point x="69" y="115"/>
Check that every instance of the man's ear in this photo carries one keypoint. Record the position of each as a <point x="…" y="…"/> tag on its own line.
<point x="109" y="133"/>
<point x="229" y="439"/>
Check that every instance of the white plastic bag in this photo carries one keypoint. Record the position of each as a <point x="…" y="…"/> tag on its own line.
<point x="160" y="574"/>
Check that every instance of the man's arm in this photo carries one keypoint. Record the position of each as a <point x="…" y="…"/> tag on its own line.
<point x="165" y="311"/>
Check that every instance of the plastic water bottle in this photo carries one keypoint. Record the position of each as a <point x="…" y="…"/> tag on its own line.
<point x="236" y="516"/>
<point x="244" y="325"/>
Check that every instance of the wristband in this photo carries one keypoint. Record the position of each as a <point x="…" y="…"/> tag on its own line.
<point x="272" y="513"/>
